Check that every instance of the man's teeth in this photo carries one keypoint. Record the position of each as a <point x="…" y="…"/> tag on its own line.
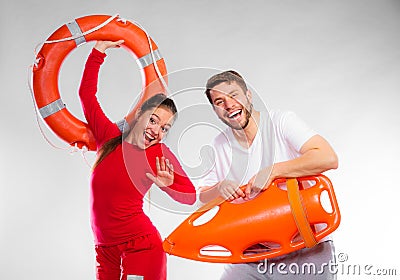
<point x="234" y="114"/>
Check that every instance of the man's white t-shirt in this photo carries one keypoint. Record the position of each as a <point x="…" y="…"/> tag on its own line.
<point x="280" y="136"/>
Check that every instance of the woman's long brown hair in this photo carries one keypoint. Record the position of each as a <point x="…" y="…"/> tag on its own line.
<point x="158" y="100"/>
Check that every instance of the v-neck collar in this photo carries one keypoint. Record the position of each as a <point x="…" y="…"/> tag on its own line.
<point x="236" y="143"/>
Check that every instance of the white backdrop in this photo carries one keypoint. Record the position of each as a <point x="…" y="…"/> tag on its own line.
<point x="335" y="63"/>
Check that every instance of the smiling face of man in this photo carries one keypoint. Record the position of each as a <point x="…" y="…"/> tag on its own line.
<point x="231" y="104"/>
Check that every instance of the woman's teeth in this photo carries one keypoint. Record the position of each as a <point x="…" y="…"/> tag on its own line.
<point x="149" y="137"/>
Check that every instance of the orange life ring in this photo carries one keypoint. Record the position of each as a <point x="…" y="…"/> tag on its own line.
<point x="51" y="56"/>
<point x="274" y="223"/>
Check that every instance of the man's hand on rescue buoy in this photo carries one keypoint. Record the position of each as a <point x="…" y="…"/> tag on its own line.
<point x="259" y="182"/>
<point x="230" y="190"/>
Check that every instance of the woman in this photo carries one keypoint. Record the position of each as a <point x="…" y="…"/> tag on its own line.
<point x="128" y="163"/>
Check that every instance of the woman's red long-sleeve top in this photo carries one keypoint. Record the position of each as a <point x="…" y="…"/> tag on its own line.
<point x="119" y="183"/>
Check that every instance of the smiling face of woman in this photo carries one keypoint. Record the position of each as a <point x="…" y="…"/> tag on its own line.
<point x="151" y="127"/>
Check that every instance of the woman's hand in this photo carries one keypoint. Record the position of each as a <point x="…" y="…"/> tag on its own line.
<point x="165" y="173"/>
<point x="101" y="46"/>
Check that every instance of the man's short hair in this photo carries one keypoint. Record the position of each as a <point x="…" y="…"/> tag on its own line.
<point x="225" y="77"/>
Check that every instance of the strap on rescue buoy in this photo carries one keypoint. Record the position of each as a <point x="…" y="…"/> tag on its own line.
<point x="299" y="213"/>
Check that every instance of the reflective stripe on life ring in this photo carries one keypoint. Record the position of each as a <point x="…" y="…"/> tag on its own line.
<point x="51" y="55"/>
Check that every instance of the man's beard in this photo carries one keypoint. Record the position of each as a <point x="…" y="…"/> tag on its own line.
<point x="238" y="126"/>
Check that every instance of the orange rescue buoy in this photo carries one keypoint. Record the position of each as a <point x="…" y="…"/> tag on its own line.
<point x="67" y="38"/>
<point x="274" y="223"/>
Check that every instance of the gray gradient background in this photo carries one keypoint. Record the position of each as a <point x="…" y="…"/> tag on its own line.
<point x="336" y="63"/>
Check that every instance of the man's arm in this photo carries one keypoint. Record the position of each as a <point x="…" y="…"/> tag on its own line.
<point x="317" y="156"/>
<point x="207" y="193"/>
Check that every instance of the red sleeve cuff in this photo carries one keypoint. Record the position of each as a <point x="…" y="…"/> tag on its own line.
<point x="98" y="53"/>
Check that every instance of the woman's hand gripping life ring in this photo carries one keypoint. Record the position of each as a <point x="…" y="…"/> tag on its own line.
<point x="62" y="42"/>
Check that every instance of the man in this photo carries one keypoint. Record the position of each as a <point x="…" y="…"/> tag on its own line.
<point x="256" y="148"/>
